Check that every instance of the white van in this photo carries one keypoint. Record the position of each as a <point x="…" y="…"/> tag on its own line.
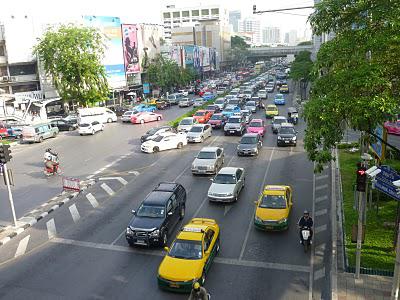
<point x="100" y="114"/>
<point x="174" y="98"/>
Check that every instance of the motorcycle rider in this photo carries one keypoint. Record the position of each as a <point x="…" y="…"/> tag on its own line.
<point x="306" y="221"/>
<point x="198" y="292"/>
<point x="51" y="159"/>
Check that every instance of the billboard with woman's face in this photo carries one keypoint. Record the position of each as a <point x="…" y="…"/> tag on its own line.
<point x="130" y="48"/>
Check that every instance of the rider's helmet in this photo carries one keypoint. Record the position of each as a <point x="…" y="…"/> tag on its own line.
<point x="48" y="150"/>
<point x="306" y="213"/>
<point x="196" y="286"/>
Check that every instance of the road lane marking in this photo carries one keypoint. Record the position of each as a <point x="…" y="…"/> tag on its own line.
<point x="74" y="213"/>
<point x="108" y="190"/>
<point x="310" y="278"/>
<point x="120" y="179"/>
<point x="321" y="198"/>
<point x="23" y="244"/>
<point x="136" y="173"/>
<point x="320" y="228"/>
<point x="51" y="229"/>
<point x="90" y="176"/>
<point x="119" y="236"/>
<point x="251" y="219"/>
<point x="218" y="260"/>
<point x="92" y="200"/>
<point x="321" y="187"/>
<point x="320" y="177"/>
<point x="320" y="249"/>
<point x="227" y="208"/>
<point x="319" y="273"/>
<point x="321" y="212"/>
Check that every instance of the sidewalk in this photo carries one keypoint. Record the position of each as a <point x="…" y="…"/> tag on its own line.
<point x="367" y="287"/>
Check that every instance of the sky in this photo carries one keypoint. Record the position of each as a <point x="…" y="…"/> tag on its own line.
<point x="136" y="11"/>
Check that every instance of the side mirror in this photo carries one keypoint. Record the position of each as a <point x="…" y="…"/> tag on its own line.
<point x="212" y="179"/>
<point x="170" y="213"/>
<point x="133" y="212"/>
<point x="166" y="249"/>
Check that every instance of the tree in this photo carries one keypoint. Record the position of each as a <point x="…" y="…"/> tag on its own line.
<point x="238" y="53"/>
<point x="238" y="42"/>
<point x="301" y="70"/>
<point x="72" y="56"/>
<point x="357" y="72"/>
<point x="306" y="43"/>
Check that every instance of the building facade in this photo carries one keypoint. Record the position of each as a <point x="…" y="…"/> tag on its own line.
<point x="173" y="17"/>
<point x="234" y="18"/>
<point x="253" y="27"/>
<point x="271" y="35"/>
<point x="291" y="38"/>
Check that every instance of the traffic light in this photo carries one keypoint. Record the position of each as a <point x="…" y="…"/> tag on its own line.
<point x="361" y="177"/>
<point x="5" y="154"/>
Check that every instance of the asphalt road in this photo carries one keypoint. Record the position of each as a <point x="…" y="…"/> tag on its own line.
<point x="80" y="156"/>
<point x="84" y="255"/>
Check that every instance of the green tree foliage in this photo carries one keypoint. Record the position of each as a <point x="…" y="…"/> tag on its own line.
<point x="239" y="51"/>
<point x="306" y="43"/>
<point x="238" y="42"/>
<point x="301" y="67"/>
<point x="72" y="56"/>
<point x="165" y="74"/>
<point x="357" y="73"/>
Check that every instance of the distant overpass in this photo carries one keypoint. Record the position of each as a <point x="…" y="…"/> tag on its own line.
<point x="265" y="52"/>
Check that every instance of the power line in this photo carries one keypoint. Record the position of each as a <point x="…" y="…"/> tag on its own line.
<point x="255" y="12"/>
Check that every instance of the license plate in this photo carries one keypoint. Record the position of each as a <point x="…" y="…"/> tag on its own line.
<point x="140" y="242"/>
<point x="174" y="285"/>
<point x="232" y="131"/>
<point x="269" y="227"/>
<point x="286" y="142"/>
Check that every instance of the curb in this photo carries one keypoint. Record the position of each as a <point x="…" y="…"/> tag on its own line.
<point x="33" y="220"/>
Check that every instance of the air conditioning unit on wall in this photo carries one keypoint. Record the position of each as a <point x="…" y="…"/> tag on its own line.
<point x="13" y="78"/>
<point x="4" y="78"/>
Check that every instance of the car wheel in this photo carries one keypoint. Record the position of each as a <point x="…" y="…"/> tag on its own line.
<point x="225" y="133"/>
<point x="142" y="121"/>
<point x="164" y="239"/>
<point x="93" y="132"/>
<point x="70" y="128"/>
<point x="235" y="199"/>
<point x="131" y="243"/>
<point x="156" y="149"/>
<point x="182" y="212"/>
<point x="158" y="118"/>
<point x="179" y="146"/>
<point x="54" y="135"/>
<point x="81" y="134"/>
<point x="41" y="139"/>
<point x="202" y="139"/>
<point x="109" y="120"/>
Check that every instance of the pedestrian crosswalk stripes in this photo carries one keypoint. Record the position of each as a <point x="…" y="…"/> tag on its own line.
<point x="92" y="200"/>
<point x="108" y="190"/>
<point x="74" y="213"/>
<point x="23" y="244"/>
<point x="51" y="228"/>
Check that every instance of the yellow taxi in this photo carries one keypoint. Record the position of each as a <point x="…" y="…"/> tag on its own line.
<point x="271" y="111"/>
<point x="190" y="256"/>
<point x="152" y="101"/>
<point x="273" y="208"/>
<point x="284" y="89"/>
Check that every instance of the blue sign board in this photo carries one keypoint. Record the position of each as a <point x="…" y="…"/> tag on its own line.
<point x="146" y="88"/>
<point x="383" y="182"/>
<point x="379" y="147"/>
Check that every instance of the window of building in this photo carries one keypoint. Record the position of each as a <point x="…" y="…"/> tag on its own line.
<point x="167" y="15"/>
<point x="176" y="14"/>
<point x="195" y="13"/>
<point x="2" y="50"/>
<point x="185" y="13"/>
<point x="205" y="12"/>
<point x="3" y="71"/>
<point x="22" y="70"/>
<point x="25" y="88"/>
<point x="214" y="11"/>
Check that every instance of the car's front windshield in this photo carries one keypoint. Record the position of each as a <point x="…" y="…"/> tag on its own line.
<point x="271" y="109"/>
<point x="273" y="201"/>
<point x="279" y="121"/>
<point x="152" y="131"/>
<point x="248" y="140"/>
<point x="210" y="107"/>
<point x="225" y="179"/>
<point x="286" y="130"/>
<point x="233" y="102"/>
<point x="158" y="138"/>
<point x="219" y="101"/>
<point x="229" y="109"/>
<point x="151" y="211"/>
<point x="278" y="96"/>
<point x="250" y="103"/>
<point x="200" y="113"/>
<point x="255" y="124"/>
<point x="234" y="120"/>
<point x="206" y="155"/>
<point x="196" y="129"/>
<point x="216" y="117"/>
<point x="186" y="249"/>
<point x="186" y="122"/>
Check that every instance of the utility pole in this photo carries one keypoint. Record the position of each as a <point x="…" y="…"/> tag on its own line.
<point x="396" y="275"/>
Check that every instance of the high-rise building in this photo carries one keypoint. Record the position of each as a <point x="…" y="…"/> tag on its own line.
<point x="291" y="38"/>
<point x="189" y="16"/>
<point x="234" y="17"/>
<point x="253" y="27"/>
<point x="271" y="35"/>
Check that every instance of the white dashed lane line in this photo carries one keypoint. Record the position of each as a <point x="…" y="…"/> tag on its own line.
<point x="23" y="244"/>
<point x="318" y="274"/>
<point x="108" y="190"/>
<point x="320" y="228"/>
<point x="51" y="229"/>
<point x="321" y="212"/>
<point x="92" y="200"/>
<point x="321" y="187"/>
<point x="74" y="213"/>
<point x="321" y="198"/>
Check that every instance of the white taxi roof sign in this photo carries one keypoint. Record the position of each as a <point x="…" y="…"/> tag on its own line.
<point x="192" y="229"/>
<point x="275" y="188"/>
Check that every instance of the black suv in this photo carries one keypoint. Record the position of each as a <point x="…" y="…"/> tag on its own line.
<point x="287" y="135"/>
<point x="157" y="215"/>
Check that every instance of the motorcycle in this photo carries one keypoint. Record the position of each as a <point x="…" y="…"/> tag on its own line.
<point x="51" y="164"/>
<point x="306" y="237"/>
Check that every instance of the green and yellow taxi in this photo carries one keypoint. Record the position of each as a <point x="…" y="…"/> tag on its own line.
<point x="284" y="89"/>
<point x="190" y="256"/>
<point x="271" y="111"/>
<point x="273" y="208"/>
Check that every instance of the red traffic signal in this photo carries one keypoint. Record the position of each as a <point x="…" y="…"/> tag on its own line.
<point x="361" y="178"/>
<point x="5" y="154"/>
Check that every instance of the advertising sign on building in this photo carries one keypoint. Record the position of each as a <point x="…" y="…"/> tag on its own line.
<point x="130" y="48"/>
<point x="113" y="60"/>
<point x="148" y="37"/>
<point x="384" y="182"/>
<point x="189" y="49"/>
<point x="379" y="147"/>
<point x="146" y="88"/>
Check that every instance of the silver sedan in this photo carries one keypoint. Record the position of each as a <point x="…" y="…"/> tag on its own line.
<point x="227" y="185"/>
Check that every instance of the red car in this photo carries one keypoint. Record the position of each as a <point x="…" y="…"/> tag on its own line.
<point x="256" y="126"/>
<point x="217" y="120"/>
<point x="144" y="117"/>
<point x="202" y="116"/>
<point x="3" y="131"/>
<point x="393" y="127"/>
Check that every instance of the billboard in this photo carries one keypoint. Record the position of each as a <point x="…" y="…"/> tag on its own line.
<point x="379" y="147"/>
<point x="213" y="59"/>
<point x="148" y="38"/>
<point x="176" y="55"/>
<point x="130" y="48"/>
<point x="113" y="59"/>
<point x="189" y="55"/>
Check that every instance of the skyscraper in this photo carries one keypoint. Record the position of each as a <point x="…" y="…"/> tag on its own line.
<point x="234" y="17"/>
<point x="291" y="37"/>
<point x="253" y="27"/>
<point x="271" y="35"/>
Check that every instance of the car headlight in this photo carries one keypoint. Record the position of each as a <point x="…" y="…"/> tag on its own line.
<point x="155" y="233"/>
<point x="294" y="138"/>
<point x="210" y="167"/>
<point x="279" y="138"/>
<point x="284" y="220"/>
<point x="257" y="219"/>
<point x="129" y="231"/>
<point x="228" y="194"/>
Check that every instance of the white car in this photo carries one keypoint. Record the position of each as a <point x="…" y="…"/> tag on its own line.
<point x="164" y="141"/>
<point x="227" y="185"/>
<point x="126" y="117"/>
<point x="186" y="124"/>
<point x="90" y="128"/>
<point x="184" y="92"/>
<point x="263" y="94"/>
<point x="199" y="133"/>
<point x="198" y="102"/>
